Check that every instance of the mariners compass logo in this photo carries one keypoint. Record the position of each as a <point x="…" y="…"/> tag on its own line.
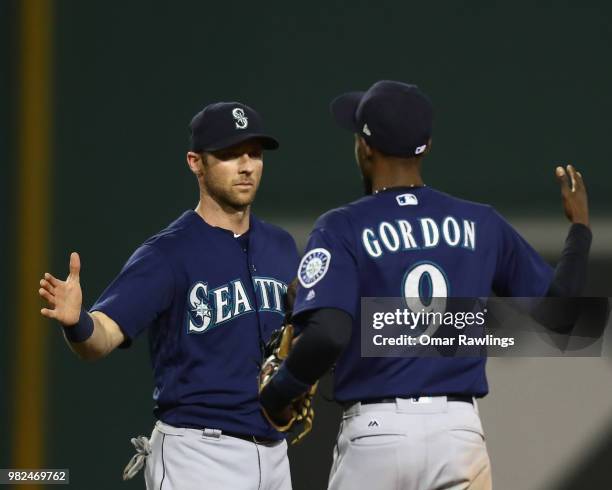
<point x="313" y="267"/>
<point x="240" y="118"/>
<point x="200" y="311"/>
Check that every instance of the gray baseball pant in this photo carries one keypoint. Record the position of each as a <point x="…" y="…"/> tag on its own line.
<point x="194" y="459"/>
<point x="424" y="444"/>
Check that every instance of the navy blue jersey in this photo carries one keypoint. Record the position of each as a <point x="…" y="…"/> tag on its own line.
<point x="382" y="246"/>
<point x="208" y="301"/>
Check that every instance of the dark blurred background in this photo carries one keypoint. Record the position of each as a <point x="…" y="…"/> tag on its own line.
<point x="96" y="97"/>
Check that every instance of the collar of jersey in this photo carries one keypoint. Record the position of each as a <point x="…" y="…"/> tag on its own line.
<point x="252" y="220"/>
<point x="399" y="188"/>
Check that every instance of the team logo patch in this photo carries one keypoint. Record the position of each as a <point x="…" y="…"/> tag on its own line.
<point x="241" y="120"/>
<point x="313" y="267"/>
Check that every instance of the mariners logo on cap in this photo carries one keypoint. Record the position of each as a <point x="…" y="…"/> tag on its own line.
<point x="313" y="267"/>
<point x="241" y="120"/>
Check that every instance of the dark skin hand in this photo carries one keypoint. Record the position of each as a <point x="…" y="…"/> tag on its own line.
<point x="573" y="194"/>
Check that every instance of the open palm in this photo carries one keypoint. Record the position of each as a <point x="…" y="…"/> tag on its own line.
<point x="573" y="194"/>
<point x="64" y="298"/>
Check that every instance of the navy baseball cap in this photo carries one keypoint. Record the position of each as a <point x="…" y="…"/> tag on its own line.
<point x="394" y="117"/>
<point x="226" y="124"/>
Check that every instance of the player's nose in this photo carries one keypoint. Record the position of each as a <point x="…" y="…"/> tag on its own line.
<point x="246" y="163"/>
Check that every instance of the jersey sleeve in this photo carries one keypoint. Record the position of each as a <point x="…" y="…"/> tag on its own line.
<point x="141" y="292"/>
<point x="520" y="271"/>
<point x="327" y="274"/>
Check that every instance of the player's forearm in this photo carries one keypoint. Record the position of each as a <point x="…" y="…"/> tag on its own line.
<point x="561" y="313"/>
<point x="570" y="274"/>
<point x="96" y="346"/>
<point x="325" y="334"/>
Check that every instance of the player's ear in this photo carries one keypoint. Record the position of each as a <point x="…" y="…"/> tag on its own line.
<point x="428" y="149"/>
<point x="194" y="161"/>
<point x="365" y="148"/>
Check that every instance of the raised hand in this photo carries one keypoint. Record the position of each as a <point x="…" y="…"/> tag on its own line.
<point x="573" y="194"/>
<point x="64" y="298"/>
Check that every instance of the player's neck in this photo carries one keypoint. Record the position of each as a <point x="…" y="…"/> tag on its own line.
<point x="396" y="172"/>
<point x="226" y="217"/>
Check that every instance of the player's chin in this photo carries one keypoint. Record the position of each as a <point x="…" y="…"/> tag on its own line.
<point x="244" y="196"/>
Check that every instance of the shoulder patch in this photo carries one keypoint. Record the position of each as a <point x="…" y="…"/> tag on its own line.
<point x="313" y="267"/>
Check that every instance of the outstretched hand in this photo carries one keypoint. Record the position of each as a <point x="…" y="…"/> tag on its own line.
<point x="573" y="194"/>
<point x="64" y="298"/>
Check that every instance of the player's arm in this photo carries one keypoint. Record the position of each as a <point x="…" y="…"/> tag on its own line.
<point x="325" y="334"/>
<point x="90" y="336"/>
<point x="562" y="311"/>
<point x="521" y="272"/>
<point x="569" y="277"/>
<point x="105" y="337"/>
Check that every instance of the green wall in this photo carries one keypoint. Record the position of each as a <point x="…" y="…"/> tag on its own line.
<point x="516" y="89"/>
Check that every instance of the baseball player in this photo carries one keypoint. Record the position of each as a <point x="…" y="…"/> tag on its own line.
<point x="409" y="423"/>
<point x="209" y="290"/>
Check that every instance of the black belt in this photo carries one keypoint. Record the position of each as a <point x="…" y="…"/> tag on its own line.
<point x="451" y="398"/>
<point x="216" y="433"/>
<point x="256" y="440"/>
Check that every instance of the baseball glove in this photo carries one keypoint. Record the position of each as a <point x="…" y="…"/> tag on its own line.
<point x="300" y="413"/>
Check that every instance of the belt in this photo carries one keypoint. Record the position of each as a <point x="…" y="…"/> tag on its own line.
<point x="217" y="433"/>
<point x="450" y="398"/>
<point x="256" y="440"/>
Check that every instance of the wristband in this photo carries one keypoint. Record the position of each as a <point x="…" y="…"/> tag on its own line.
<point x="82" y="330"/>
<point x="286" y="387"/>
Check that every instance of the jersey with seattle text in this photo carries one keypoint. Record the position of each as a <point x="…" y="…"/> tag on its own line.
<point x="208" y="301"/>
<point x="387" y="245"/>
